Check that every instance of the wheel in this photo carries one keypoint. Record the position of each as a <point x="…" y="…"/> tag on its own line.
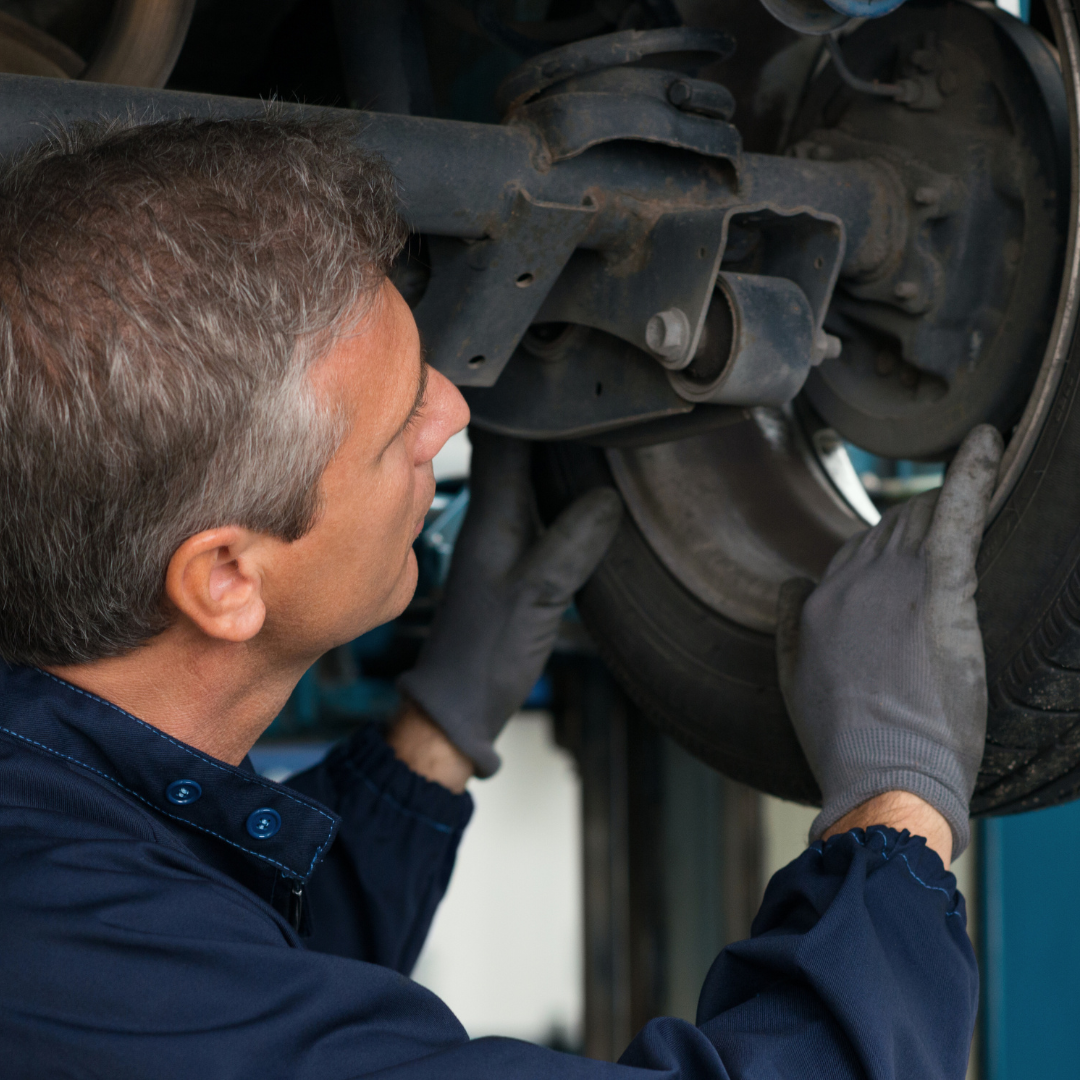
<point x="682" y="608"/>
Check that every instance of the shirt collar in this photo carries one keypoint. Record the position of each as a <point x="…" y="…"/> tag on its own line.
<point x="236" y="806"/>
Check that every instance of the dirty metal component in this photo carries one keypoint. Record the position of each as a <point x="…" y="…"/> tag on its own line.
<point x="574" y="121"/>
<point x="583" y="95"/>
<point x="763" y="329"/>
<point x="568" y="381"/>
<point x="735" y="512"/>
<point x="704" y="98"/>
<point x="679" y="272"/>
<point x="668" y="335"/>
<point x="693" y="48"/>
<point x="687" y="247"/>
<point x="764" y="326"/>
<point x="142" y="42"/>
<point x="952" y="331"/>
<point x="607" y="237"/>
<point x="495" y="287"/>
<point x="918" y="92"/>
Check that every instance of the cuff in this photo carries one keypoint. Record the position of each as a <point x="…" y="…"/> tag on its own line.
<point x="871" y="784"/>
<point x="366" y="758"/>
<point x="476" y="748"/>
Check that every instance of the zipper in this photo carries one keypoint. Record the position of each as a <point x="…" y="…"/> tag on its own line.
<point x="296" y="905"/>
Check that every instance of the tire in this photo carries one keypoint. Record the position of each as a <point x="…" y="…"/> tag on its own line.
<point x="704" y="679"/>
<point x="711" y="683"/>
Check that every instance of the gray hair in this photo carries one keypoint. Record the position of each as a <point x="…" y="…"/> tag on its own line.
<point x="164" y="290"/>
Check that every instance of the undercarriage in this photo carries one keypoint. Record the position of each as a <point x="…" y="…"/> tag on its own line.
<point x="723" y="258"/>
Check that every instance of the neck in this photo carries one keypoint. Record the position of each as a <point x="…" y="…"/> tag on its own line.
<point x="218" y="697"/>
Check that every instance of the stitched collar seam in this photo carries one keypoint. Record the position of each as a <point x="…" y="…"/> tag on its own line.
<point x="230" y="770"/>
<point x="201" y="828"/>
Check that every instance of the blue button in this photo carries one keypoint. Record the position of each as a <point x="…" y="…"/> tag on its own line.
<point x="262" y="824"/>
<point x="183" y="792"/>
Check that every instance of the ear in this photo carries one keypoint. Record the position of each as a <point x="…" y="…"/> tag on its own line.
<point x="215" y="579"/>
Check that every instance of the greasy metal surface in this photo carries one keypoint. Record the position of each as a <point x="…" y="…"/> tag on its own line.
<point x="678" y="269"/>
<point x="766" y="344"/>
<point x="483" y="294"/>
<point x="952" y="333"/>
<point x="647" y="221"/>
<point x="698" y="47"/>
<point x="735" y="512"/>
<point x="572" y="123"/>
<point x="577" y="385"/>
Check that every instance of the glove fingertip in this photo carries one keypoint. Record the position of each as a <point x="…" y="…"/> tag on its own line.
<point x="589" y="523"/>
<point x="567" y="554"/>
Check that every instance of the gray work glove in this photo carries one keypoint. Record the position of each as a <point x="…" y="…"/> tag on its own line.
<point x="882" y="665"/>
<point x="505" y="595"/>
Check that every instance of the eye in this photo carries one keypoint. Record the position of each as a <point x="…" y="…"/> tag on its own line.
<point x="414" y="418"/>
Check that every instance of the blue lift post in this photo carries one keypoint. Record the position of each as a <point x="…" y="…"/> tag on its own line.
<point x="1030" y="887"/>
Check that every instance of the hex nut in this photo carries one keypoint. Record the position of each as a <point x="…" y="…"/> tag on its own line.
<point x="667" y="334"/>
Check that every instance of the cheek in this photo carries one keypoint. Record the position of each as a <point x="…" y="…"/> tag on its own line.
<point x="397" y="499"/>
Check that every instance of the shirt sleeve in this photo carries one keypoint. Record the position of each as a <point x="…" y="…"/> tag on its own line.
<point x="858" y="966"/>
<point x="375" y="893"/>
<point x="117" y="953"/>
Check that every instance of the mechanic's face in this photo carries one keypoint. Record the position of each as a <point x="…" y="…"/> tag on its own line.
<point x="356" y="569"/>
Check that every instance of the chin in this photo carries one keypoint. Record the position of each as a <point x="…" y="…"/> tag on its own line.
<point x="405" y="588"/>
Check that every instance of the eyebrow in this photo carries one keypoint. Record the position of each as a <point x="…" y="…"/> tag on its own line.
<point x="417" y="405"/>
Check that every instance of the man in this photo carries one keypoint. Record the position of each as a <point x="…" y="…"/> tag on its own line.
<point x="216" y="433"/>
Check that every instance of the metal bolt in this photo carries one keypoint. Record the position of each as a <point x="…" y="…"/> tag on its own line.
<point x="906" y="290"/>
<point x="667" y="334"/>
<point x="679" y="93"/>
<point x="927" y="195"/>
<point x="826" y="347"/>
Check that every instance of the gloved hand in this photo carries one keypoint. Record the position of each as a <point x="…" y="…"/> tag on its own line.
<point x="882" y="665"/>
<point x="505" y="594"/>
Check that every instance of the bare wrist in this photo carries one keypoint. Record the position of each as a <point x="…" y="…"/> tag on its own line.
<point x="421" y="744"/>
<point x="901" y="810"/>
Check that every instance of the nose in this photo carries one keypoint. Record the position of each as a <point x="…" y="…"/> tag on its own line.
<point x="445" y="413"/>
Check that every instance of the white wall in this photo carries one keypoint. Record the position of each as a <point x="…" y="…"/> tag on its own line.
<point x="505" y="950"/>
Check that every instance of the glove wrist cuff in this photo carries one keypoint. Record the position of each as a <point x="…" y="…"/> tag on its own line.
<point x="457" y="729"/>
<point x="870" y="784"/>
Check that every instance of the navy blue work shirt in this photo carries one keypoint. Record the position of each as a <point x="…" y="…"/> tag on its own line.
<point x="165" y="915"/>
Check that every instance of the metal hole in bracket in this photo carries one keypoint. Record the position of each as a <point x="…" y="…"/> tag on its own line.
<point x="599" y="389"/>
<point x="819" y="263"/>
<point x="523" y="281"/>
<point x="702" y="252"/>
<point x="476" y="361"/>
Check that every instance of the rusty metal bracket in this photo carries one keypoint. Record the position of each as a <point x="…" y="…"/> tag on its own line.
<point x="572" y="123"/>
<point x="675" y="268"/>
<point x="484" y="294"/>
